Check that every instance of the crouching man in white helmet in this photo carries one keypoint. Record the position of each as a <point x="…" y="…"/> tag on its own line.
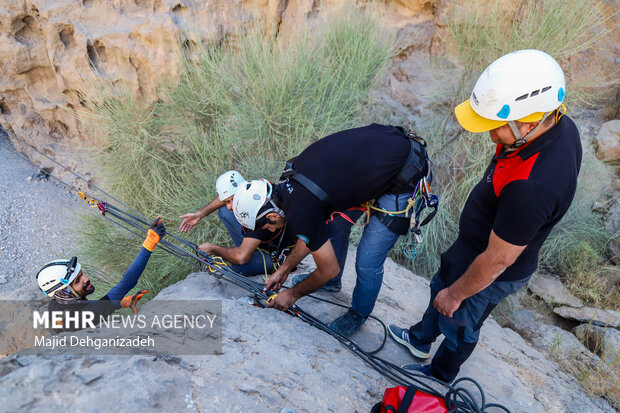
<point x="69" y="287"/>
<point x="318" y="199"/>
<point x="255" y="252"/>
<point x="526" y="189"/>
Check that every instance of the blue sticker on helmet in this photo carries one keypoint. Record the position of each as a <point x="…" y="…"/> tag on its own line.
<point x="561" y="94"/>
<point x="504" y="112"/>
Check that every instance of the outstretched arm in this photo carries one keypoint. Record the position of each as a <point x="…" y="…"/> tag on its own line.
<point x="192" y="219"/>
<point x="131" y="276"/>
<point x="133" y="273"/>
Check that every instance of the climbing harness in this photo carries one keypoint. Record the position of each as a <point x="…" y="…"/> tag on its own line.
<point x="405" y="222"/>
<point x="458" y="399"/>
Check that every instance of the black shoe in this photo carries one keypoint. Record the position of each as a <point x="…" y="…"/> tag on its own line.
<point x="348" y="323"/>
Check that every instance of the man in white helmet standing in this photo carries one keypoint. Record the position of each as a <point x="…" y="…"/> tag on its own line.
<point x="526" y="189"/>
<point x="255" y="252"/>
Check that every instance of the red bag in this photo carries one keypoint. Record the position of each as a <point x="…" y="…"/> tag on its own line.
<point x="403" y="399"/>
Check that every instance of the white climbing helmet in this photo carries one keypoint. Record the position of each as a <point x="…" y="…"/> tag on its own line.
<point x="524" y="85"/>
<point x="227" y="184"/>
<point x="249" y="199"/>
<point x="57" y="274"/>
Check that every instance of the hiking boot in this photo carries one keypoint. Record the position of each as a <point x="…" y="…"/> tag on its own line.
<point x="331" y="288"/>
<point x="401" y="335"/>
<point x="348" y="323"/>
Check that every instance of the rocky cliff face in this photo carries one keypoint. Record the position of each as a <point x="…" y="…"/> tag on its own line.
<point x="51" y="49"/>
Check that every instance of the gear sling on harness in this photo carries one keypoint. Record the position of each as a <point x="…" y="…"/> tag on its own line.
<point x="415" y="168"/>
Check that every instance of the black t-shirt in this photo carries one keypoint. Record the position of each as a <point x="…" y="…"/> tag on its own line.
<point x="352" y="167"/>
<point x="521" y="197"/>
<point x="272" y="241"/>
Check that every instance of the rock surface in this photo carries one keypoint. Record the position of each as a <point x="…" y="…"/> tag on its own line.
<point x="54" y="52"/>
<point x="613" y="226"/>
<point x="16" y="318"/>
<point x="558" y="343"/>
<point x="596" y="316"/>
<point x="608" y="141"/>
<point x="272" y="361"/>
<point x="604" y="341"/>
<point x="551" y="290"/>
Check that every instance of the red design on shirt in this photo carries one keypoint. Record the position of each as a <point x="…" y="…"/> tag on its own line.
<point x="511" y="168"/>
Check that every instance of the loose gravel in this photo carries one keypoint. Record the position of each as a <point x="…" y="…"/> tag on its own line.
<point x="36" y="217"/>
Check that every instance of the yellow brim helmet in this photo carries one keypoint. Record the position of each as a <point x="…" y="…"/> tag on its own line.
<point x="472" y="122"/>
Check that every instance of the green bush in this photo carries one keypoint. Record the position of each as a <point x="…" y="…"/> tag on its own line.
<point x="249" y="104"/>
<point x="483" y="32"/>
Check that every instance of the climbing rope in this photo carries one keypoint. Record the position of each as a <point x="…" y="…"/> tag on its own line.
<point x="458" y="399"/>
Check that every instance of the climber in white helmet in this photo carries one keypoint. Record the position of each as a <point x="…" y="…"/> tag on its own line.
<point x="526" y="189"/>
<point x="68" y="286"/>
<point x="254" y="252"/>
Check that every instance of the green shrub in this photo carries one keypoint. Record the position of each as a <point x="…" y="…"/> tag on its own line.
<point x="249" y="104"/>
<point x="482" y="32"/>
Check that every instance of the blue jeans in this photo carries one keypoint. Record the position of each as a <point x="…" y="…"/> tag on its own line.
<point x="462" y="331"/>
<point x="375" y="244"/>
<point x="260" y="262"/>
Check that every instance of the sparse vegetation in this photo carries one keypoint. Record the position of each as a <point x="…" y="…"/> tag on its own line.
<point x="597" y="378"/>
<point x="248" y="104"/>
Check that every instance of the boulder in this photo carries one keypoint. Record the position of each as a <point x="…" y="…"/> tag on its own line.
<point x="607" y="141"/>
<point x="552" y="291"/>
<point x="601" y="340"/>
<point x="272" y="361"/>
<point x="561" y="345"/>
<point x="595" y="316"/>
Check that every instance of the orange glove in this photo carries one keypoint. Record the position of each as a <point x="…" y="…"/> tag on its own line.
<point x="155" y="234"/>
<point x="133" y="300"/>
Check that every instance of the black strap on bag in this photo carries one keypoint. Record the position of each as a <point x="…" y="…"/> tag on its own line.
<point x="414" y="168"/>
<point x="407" y="399"/>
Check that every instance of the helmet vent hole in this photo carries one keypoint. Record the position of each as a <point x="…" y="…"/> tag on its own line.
<point x="535" y="93"/>
<point x="545" y="89"/>
<point x="522" y="97"/>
